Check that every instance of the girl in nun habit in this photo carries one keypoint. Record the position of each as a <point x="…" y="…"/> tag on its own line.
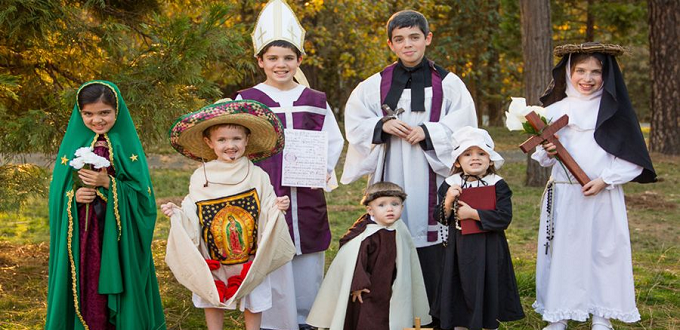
<point x="584" y="264"/>
<point x="477" y="289"/>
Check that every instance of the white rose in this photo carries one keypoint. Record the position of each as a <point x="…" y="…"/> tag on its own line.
<point x="83" y="151"/>
<point x="514" y="117"/>
<point x="101" y="162"/>
<point x="77" y="163"/>
<point x="540" y="111"/>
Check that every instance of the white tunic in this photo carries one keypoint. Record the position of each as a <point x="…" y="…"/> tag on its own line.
<point x="187" y="250"/>
<point x="407" y="165"/>
<point x="588" y="269"/>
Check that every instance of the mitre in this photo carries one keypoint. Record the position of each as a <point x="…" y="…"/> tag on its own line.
<point x="278" y="22"/>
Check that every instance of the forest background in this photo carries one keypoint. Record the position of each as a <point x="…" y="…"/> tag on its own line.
<point x="173" y="57"/>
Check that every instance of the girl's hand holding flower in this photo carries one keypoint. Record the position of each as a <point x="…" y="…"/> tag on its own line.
<point x="94" y="178"/>
<point x="550" y="149"/>
<point x="85" y="195"/>
<point x="91" y="179"/>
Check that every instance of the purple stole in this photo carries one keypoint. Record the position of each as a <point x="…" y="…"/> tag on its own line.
<point x="435" y="113"/>
<point x="312" y="214"/>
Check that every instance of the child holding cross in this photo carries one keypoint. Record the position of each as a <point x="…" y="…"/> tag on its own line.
<point x="584" y="262"/>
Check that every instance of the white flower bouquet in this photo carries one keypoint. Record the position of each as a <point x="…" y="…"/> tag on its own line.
<point x="86" y="158"/>
<point x="515" y="119"/>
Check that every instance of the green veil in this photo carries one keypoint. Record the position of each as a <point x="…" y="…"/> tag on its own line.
<point x="128" y="275"/>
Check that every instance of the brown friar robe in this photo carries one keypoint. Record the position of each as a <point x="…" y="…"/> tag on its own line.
<point x="407" y="300"/>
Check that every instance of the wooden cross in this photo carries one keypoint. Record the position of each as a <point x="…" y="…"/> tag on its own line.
<point x="391" y="113"/>
<point x="548" y="134"/>
<point x="388" y="115"/>
<point x="417" y="323"/>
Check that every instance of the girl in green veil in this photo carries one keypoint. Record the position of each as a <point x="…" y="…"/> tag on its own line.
<point x="101" y="271"/>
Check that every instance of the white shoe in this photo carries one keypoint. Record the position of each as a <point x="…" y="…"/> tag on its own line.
<point x="559" y="325"/>
<point x="600" y="323"/>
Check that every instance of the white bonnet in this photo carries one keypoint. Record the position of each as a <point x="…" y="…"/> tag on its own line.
<point x="469" y="136"/>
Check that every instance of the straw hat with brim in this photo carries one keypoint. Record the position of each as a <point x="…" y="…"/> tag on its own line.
<point x="468" y="136"/>
<point x="266" y="132"/>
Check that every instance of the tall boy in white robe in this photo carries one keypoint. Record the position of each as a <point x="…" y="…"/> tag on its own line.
<point x="411" y="148"/>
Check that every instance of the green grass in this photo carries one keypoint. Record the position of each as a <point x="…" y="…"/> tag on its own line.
<point x="654" y="221"/>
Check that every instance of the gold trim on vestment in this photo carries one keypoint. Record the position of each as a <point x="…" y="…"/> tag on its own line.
<point x="69" y="241"/>
<point x="108" y="141"/>
<point x="101" y="195"/>
<point x="115" y="204"/>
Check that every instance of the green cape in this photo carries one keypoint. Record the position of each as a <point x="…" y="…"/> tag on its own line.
<point x="128" y="275"/>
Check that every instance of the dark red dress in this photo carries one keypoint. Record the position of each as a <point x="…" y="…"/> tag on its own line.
<point x="93" y="305"/>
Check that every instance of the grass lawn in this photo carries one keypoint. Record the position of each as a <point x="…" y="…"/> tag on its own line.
<point x="653" y="213"/>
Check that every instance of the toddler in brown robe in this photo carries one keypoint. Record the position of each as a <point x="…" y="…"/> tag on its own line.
<point x="375" y="281"/>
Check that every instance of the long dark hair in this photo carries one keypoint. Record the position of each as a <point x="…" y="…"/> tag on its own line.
<point x="94" y="93"/>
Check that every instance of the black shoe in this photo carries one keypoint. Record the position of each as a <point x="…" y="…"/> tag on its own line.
<point x="307" y="327"/>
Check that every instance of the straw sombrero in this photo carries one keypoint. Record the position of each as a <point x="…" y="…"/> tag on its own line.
<point x="266" y="132"/>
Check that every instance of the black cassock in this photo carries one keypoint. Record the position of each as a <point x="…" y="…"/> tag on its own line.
<point x="478" y="287"/>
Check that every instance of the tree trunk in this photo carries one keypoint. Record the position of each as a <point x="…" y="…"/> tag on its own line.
<point x="493" y="77"/>
<point x="537" y="53"/>
<point x="590" y="22"/>
<point x="494" y="107"/>
<point x="664" y="51"/>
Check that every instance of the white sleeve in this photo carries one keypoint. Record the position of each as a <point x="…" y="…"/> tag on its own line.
<point x="362" y="113"/>
<point x="541" y="156"/>
<point x="189" y="220"/>
<point x="335" y="144"/>
<point x="458" y="110"/>
<point x="335" y="139"/>
<point x="620" y="171"/>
